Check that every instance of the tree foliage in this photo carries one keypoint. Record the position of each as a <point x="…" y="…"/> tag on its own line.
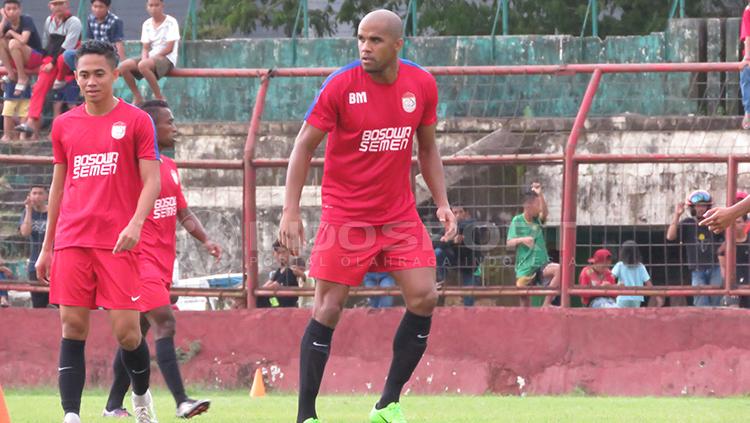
<point x="222" y="18"/>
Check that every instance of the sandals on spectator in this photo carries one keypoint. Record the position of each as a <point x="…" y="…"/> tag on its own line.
<point x="20" y="88"/>
<point x="26" y="129"/>
<point x="746" y="122"/>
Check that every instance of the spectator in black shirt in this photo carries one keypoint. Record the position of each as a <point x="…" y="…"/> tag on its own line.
<point x="456" y="252"/>
<point x="283" y="276"/>
<point x="700" y="244"/>
<point x="32" y="225"/>
<point x="20" y="45"/>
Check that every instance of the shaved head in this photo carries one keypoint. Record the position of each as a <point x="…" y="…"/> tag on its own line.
<point x="384" y="20"/>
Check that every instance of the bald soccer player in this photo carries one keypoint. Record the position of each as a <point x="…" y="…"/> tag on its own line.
<point x="371" y="109"/>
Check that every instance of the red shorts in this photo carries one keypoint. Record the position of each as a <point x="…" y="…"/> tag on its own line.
<point x="35" y="60"/>
<point x="154" y="294"/>
<point x="94" y="277"/>
<point x="343" y="254"/>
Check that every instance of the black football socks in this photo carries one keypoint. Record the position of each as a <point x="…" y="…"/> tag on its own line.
<point x="409" y="345"/>
<point x="316" y="345"/>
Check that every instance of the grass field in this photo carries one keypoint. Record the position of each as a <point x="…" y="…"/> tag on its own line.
<point x="35" y="406"/>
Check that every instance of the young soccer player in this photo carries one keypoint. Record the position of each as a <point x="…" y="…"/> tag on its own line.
<point x="156" y="257"/>
<point x="104" y="184"/>
<point x="371" y="108"/>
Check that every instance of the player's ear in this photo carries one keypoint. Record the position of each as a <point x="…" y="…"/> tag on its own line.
<point x="399" y="44"/>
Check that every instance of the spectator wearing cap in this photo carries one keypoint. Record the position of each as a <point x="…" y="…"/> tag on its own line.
<point x="699" y="243"/>
<point x="598" y="273"/>
<point x="283" y="277"/>
<point x="526" y="236"/>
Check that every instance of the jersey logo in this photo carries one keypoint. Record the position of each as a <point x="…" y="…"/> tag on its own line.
<point x="118" y="130"/>
<point x="409" y="102"/>
<point x="175" y="178"/>
<point x="358" y="98"/>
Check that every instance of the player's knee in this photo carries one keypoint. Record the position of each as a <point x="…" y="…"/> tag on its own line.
<point x="165" y="328"/>
<point x="328" y="313"/>
<point x="423" y="304"/>
<point x="74" y="329"/>
<point x="129" y="340"/>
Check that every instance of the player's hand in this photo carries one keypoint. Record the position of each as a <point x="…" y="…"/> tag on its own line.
<point x="43" y="266"/>
<point x="718" y="219"/>
<point x="528" y="241"/>
<point x="291" y="232"/>
<point x="128" y="238"/>
<point x="214" y="249"/>
<point x="448" y="220"/>
<point x="537" y="188"/>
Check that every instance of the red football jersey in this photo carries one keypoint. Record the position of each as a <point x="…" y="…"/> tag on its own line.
<point x="158" y="238"/>
<point x="371" y="126"/>
<point x="103" y="181"/>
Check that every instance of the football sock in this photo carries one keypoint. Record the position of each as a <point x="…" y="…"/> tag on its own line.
<point x="316" y="344"/>
<point x="120" y="383"/>
<point x="71" y="374"/>
<point x="138" y="364"/>
<point x="167" y="359"/>
<point x="409" y="345"/>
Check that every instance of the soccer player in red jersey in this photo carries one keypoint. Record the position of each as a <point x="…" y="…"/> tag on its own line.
<point x="156" y="256"/>
<point x="104" y="184"/>
<point x="371" y="110"/>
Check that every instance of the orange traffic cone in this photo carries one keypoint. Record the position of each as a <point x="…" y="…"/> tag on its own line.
<point x="259" y="388"/>
<point x="4" y="415"/>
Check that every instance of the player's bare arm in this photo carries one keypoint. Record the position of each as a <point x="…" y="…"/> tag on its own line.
<point x="718" y="219"/>
<point x="190" y="222"/>
<point x="150" y="176"/>
<point x="44" y="262"/>
<point x="431" y="167"/>
<point x="291" y="230"/>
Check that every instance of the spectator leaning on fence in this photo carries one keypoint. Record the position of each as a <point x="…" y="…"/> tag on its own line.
<point x="379" y="280"/>
<point x="525" y="235"/>
<point x="282" y="277"/>
<point x="32" y="225"/>
<point x="20" y="45"/>
<point x="457" y="253"/>
<point x="700" y="244"/>
<point x="160" y="37"/>
<point x="630" y="272"/>
<point x="598" y="274"/>
<point x="745" y="70"/>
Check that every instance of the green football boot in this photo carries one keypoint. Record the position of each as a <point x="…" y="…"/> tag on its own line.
<point x="311" y="420"/>
<point x="390" y="414"/>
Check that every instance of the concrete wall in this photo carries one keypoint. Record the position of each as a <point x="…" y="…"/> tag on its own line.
<point x="508" y="351"/>
<point x="686" y="40"/>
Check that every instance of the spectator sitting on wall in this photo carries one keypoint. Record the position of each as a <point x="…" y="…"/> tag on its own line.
<point x="62" y="31"/>
<point x="102" y="25"/>
<point x="456" y="253"/>
<point x="299" y="267"/>
<point x="745" y="68"/>
<point x="700" y="244"/>
<point x="629" y="271"/>
<point x="379" y="280"/>
<point x="32" y="225"/>
<point x="5" y="274"/>
<point x="598" y="274"/>
<point x="20" y="45"/>
<point x="160" y="37"/>
<point x="15" y="109"/>
<point x="283" y="276"/>
<point x="526" y="236"/>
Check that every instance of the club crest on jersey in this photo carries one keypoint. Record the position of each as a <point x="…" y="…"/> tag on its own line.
<point x="409" y="102"/>
<point x="175" y="178"/>
<point x="118" y="130"/>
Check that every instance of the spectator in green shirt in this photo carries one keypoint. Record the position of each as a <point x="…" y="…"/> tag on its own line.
<point x="525" y="235"/>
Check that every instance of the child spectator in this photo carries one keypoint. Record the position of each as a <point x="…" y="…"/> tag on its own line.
<point x="160" y="36"/>
<point x="629" y="271"/>
<point x="598" y="274"/>
<point x="15" y="109"/>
